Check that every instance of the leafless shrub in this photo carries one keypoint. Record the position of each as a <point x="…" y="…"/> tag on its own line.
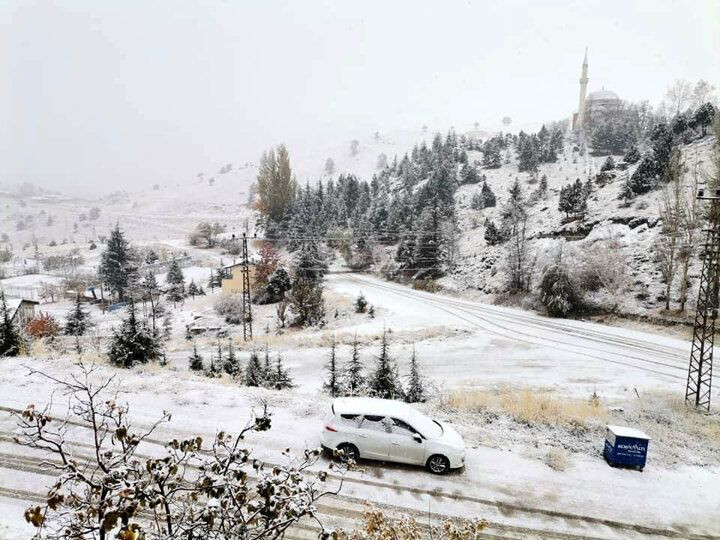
<point x="114" y="492"/>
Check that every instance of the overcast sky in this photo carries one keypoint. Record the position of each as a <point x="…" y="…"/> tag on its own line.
<point x="116" y="94"/>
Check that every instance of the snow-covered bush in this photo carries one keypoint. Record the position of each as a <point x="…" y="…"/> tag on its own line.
<point x="378" y="526"/>
<point x="231" y="308"/>
<point x="213" y="492"/>
<point x="557" y="292"/>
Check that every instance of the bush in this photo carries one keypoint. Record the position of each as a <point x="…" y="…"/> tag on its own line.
<point x="557" y="292"/>
<point x="43" y="325"/>
<point x="231" y="308"/>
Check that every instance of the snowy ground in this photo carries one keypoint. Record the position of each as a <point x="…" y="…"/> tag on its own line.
<point x="460" y="345"/>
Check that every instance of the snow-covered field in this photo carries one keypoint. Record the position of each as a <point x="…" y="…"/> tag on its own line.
<point x="461" y="346"/>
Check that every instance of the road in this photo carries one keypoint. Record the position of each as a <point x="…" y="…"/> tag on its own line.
<point x="646" y="359"/>
<point x="505" y="520"/>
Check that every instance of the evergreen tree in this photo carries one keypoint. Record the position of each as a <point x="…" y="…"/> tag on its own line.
<point x="176" y="282"/>
<point x="196" y="361"/>
<point x="632" y="154"/>
<point x="306" y="294"/>
<point x="268" y="373"/>
<point x="491" y="157"/>
<point x="384" y="381"/>
<point x="232" y="364"/>
<point x="77" y="320"/>
<point x="608" y="165"/>
<point x="488" y="197"/>
<point x="416" y="388"/>
<point x="167" y="326"/>
<point x="192" y="289"/>
<point x="542" y="188"/>
<point x="214" y="369"/>
<point x="281" y="378"/>
<point x="134" y="343"/>
<point x="332" y="384"/>
<point x="354" y="378"/>
<point x="254" y="371"/>
<point x="278" y="284"/>
<point x="10" y="341"/>
<point x="492" y="233"/>
<point x="117" y="270"/>
<point x="361" y="303"/>
<point x="427" y="256"/>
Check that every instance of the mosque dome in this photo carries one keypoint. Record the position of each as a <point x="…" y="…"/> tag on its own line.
<point x="603" y="95"/>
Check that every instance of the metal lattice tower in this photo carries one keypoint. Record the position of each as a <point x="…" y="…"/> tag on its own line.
<point x="699" y="380"/>
<point x="247" y="311"/>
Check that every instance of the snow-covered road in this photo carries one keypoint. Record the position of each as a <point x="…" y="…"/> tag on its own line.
<point x="558" y="352"/>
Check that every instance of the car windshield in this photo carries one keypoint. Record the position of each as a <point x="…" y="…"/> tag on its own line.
<point x="428" y="428"/>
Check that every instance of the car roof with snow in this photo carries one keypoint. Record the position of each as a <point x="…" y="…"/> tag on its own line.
<point x="372" y="406"/>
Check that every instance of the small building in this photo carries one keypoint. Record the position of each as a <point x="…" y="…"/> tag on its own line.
<point x="625" y="446"/>
<point x="21" y="310"/>
<point x="234" y="284"/>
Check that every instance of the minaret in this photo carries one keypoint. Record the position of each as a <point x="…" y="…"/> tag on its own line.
<point x="583" y="91"/>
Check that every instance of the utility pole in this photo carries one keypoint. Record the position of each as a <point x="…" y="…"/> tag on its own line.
<point x="699" y="381"/>
<point x="247" y="312"/>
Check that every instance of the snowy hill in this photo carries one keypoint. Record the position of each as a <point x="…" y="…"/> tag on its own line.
<point x="612" y="233"/>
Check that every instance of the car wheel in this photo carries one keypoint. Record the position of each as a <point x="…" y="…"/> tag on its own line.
<point x="350" y="451"/>
<point x="438" y="464"/>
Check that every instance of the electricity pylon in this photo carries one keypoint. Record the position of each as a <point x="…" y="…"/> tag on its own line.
<point x="699" y="381"/>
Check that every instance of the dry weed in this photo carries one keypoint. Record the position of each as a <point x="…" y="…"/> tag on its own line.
<point x="557" y="458"/>
<point x="528" y="406"/>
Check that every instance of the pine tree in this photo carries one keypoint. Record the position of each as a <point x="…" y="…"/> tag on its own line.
<point x="427" y="256"/>
<point x="167" y="326"/>
<point x="488" y="197"/>
<point x="192" y="289"/>
<point x="10" y="341"/>
<point x="134" y="343"/>
<point x="354" y="378"/>
<point x="542" y="188"/>
<point x="176" y="282"/>
<point x="384" y="381"/>
<point x="492" y="234"/>
<point x="232" y="364"/>
<point x="332" y="384"/>
<point x="268" y="373"/>
<point x="281" y="377"/>
<point x="416" y="390"/>
<point x="77" y="320"/>
<point x="196" y="361"/>
<point x="632" y="155"/>
<point x="214" y="368"/>
<point x="117" y="270"/>
<point x="254" y="371"/>
<point x="360" y="304"/>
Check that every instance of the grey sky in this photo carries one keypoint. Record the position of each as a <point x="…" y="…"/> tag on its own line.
<point x="125" y="93"/>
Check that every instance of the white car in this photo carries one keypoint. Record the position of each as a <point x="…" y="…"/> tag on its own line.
<point x="389" y="430"/>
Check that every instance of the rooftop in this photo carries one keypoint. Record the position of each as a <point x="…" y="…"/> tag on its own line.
<point x="603" y="94"/>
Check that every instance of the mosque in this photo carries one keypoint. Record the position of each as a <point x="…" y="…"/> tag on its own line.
<point x="596" y="104"/>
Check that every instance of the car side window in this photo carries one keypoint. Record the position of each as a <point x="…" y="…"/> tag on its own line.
<point x="402" y="428"/>
<point x="373" y="423"/>
<point x="351" y="420"/>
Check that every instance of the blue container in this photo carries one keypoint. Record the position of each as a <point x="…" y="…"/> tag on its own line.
<point x="626" y="447"/>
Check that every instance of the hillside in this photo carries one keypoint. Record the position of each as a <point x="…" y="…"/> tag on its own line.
<point x="612" y="233"/>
